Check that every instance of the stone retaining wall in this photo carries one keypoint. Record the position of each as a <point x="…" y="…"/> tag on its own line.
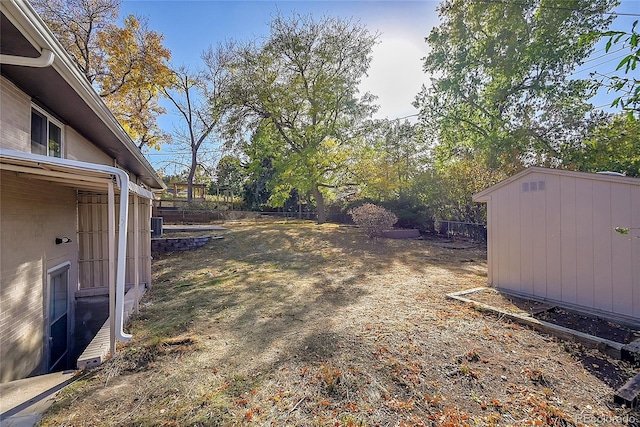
<point x="176" y="244"/>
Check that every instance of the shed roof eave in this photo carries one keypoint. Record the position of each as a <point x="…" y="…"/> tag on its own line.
<point x="485" y="195"/>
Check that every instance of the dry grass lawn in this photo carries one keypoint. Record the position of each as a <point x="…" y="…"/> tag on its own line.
<point x="291" y="323"/>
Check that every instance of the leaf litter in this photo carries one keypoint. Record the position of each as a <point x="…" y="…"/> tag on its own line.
<point x="297" y="324"/>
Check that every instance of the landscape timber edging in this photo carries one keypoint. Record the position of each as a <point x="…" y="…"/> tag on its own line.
<point x="629" y="394"/>
<point x="612" y="348"/>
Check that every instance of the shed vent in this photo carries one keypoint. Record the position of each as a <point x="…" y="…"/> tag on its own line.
<point x="533" y="186"/>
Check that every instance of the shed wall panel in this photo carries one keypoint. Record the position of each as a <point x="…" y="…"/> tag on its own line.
<point x="492" y="229"/>
<point x="621" y="264"/>
<point x="584" y="244"/>
<point x="602" y="274"/>
<point x="502" y="213"/>
<point x="552" y="240"/>
<point x="635" y="248"/>
<point x="513" y="238"/>
<point x="568" y="239"/>
<point x="527" y="202"/>
<point x="539" y="242"/>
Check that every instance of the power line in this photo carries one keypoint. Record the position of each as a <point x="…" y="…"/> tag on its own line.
<point x="602" y="56"/>
<point x="405" y="117"/>
<point x="599" y="64"/>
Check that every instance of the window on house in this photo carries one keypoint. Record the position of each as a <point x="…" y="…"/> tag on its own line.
<point x="46" y="136"/>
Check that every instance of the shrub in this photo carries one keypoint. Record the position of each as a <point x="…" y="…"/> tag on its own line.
<point x="372" y="219"/>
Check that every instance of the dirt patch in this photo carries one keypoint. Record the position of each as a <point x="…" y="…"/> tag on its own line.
<point x="591" y="325"/>
<point x="549" y="312"/>
<point x="612" y="372"/>
<point x="291" y="323"/>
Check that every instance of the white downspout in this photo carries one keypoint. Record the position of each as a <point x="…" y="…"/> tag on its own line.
<point x="111" y="256"/>
<point x="44" y="60"/>
<point x="122" y="180"/>
<point x="123" y="183"/>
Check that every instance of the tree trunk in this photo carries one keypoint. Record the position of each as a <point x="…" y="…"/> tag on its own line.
<point x="319" y="198"/>
<point x="192" y="174"/>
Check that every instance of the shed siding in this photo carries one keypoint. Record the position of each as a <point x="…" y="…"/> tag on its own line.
<point x="602" y="271"/>
<point x="635" y="251"/>
<point x="502" y="275"/>
<point x="34" y="213"/>
<point x="493" y="234"/>
<point x="515" y="230"/>
<point x="568" y="240"/>
<point x="621" y="263"/>
<point x="558" y="242"/>
<point x="553" y="231"/>
<point x="538" y="243"/>
<point x="585" y="294"/>
<point x="15" y="120"/>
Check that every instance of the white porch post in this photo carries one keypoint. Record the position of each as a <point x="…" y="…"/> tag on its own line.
<point x="112" y="266"/>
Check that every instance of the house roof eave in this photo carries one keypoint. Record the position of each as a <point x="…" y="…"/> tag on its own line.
<point x="103" y="129"/>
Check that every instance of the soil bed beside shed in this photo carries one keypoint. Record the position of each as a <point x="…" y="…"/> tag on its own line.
<point x="551" y="313"/>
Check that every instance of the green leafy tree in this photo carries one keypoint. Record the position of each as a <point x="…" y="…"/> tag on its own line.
<point x="300" y="88"/>
<point x="230" y="174"/>
<point x="627" y="87"/>
<point x="613" y="146"/>
<point x="501" y="92"/>
<point x="386" y="159"/>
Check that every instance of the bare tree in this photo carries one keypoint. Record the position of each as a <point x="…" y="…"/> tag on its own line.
<point x="200" y="99"/>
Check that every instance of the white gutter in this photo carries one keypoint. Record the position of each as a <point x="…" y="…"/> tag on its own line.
<point x="44" y="60"/>
<point x="122" y="180"/>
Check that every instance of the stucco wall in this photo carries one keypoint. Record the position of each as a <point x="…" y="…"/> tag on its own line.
<point x="556" y="240"/>
<point x="32" y="214"/>
<point x="15" y="117"/>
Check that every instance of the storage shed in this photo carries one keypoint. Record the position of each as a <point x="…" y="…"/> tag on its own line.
<point x="551" y="235"/>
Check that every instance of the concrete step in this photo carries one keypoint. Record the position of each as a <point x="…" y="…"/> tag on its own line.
<point x="23" y="402"/>
<point x="98" y="349"/>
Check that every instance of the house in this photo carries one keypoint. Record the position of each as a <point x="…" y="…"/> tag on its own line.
<point x="75" y="205"/>
<point x="551" y="235"/>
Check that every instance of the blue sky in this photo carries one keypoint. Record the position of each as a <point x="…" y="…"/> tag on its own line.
<point x="395" y="76"/>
